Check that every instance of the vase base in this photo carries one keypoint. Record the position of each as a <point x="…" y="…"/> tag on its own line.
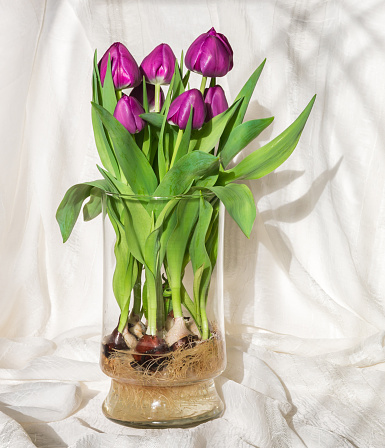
<point x="162" y="407"/>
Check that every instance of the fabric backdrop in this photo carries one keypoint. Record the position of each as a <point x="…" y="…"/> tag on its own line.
<point x="304" y="297"/>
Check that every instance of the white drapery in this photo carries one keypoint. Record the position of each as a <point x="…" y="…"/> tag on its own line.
<point x="305" y="296"/>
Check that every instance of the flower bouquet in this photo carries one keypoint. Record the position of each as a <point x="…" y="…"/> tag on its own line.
<point x="166" y="171"/>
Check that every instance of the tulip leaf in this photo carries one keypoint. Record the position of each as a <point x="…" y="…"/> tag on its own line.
<point x="69" y="208"/>
<point x="207" y="137"/>
<point x="137" y="223"/>
<point x="190" y="167"/>
<point x="116" y="186"/>
<point x="238" y="201"/>
<point x="153" y="118"/>
<point x="270" y="156"/>
<point x="134" y="164"/>
<point x="103" y="145"/>
<point x="241" y="136"/>
<point x="126" y="271"/>
<point x="108" y="90"/>
<point x="93" y="207"/>
<point x="245" y="94"/>
<point x="200" y="259"/>
<point x="187" y="213"/>
<point x="178" y="86"/>
<point x="186" y="78"/>
<point x="182" y="150"/>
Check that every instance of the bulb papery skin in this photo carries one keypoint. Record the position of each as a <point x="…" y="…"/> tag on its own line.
<point x="215" y="100"/>
<point x="179" y="111"/>
<point x="124" y="69"/>
<point x="210" y="55"/>
<point x="158" y="67"/>
<point x="127" y="112"/>
<point x="178" y="331"/>
<point x="137" y="93"/>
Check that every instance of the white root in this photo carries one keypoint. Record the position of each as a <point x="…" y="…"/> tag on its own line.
<point x="178" y="331"/>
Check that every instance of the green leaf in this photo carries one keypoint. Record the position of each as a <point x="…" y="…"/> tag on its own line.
<point x="108" y="90"/>
<point x="93" y="208"/>
<point x="207" y="137"/>
<point x="134" y="164"/>
<point x="69" y="208"/>
<point x="241" y="136"/>
<point x="138" y="225"/>
<point x="153" y="118"/>
<point x="190" y="167"/>
<point x="182" y="150"/>
<point x="103" y="145"/>
<point x="245" y="94"/>
<point x="178" y="86"/>
<point x="238" y="201"/>
<point x="187" y="212"/>
<point x="270" y="156"/>
<point x="200" y="259"/>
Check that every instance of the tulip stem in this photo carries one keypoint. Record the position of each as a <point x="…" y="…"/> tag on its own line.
<point x="203" y="84"/>
<point x="157" y="97"/>
<point x="118" y="94"/>
<point x="177" y="143"/>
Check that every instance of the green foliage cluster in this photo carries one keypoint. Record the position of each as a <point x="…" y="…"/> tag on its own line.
<point x="162" y="196"/>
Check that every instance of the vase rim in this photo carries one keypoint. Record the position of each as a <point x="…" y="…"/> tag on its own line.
<point x="144" y="197"/>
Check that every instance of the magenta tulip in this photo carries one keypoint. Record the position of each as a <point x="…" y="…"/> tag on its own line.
<point x="159" y="66"/>
<point x="215" y="101"/>
<point x="210" y="55"/>
<point x="127" y="112"/>
<point x="179" y="111"/>
<point x="125" y="70"/>
<point x="150" y="88"/>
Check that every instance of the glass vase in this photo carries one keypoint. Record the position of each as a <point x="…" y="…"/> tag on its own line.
<point x="163" y="327"/>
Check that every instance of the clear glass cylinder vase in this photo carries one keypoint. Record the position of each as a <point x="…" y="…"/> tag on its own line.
<point x="163" y="326"/>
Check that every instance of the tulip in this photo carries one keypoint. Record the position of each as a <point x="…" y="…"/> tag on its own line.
<point x="179" y="111"/>
<point x="150" y="88"/>
<point x="210" y="55"/>
<point x="127" y="112"/>
<point x="215" y="101"/>
<point x="125" y="70"/>
<point x="158" y="67"/>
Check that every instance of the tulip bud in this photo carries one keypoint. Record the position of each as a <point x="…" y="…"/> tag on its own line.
<point x="210" y="55"/>
<point x="215" y="101"/>
<point x="159" y="66"/>
<point x="127" y="112"/>
<point x="179" y="111"/>
<point x="125" y="70"/>
<point x="150" y="88"/>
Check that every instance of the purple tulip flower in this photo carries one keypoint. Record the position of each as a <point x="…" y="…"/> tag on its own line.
<point x="159" y="66"/>
<point x="179" y="111"/>
<point x="125" y="70"/>
<point x="210" y="55"/>
<point x="215" y="101"/>
<point x="150" y="88"/>
<point x="127" y="112"/>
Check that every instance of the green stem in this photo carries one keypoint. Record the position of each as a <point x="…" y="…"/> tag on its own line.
<point x="118" y="94"/>
<point x="176" y="301"/>
<point x="177" y="144"/>
<point x="151" y="303"/>
<point x="205" y="324"/>
<point x="157" y="97"/>
<point x="203" y="84"/>
<point x="137" y="291"/>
